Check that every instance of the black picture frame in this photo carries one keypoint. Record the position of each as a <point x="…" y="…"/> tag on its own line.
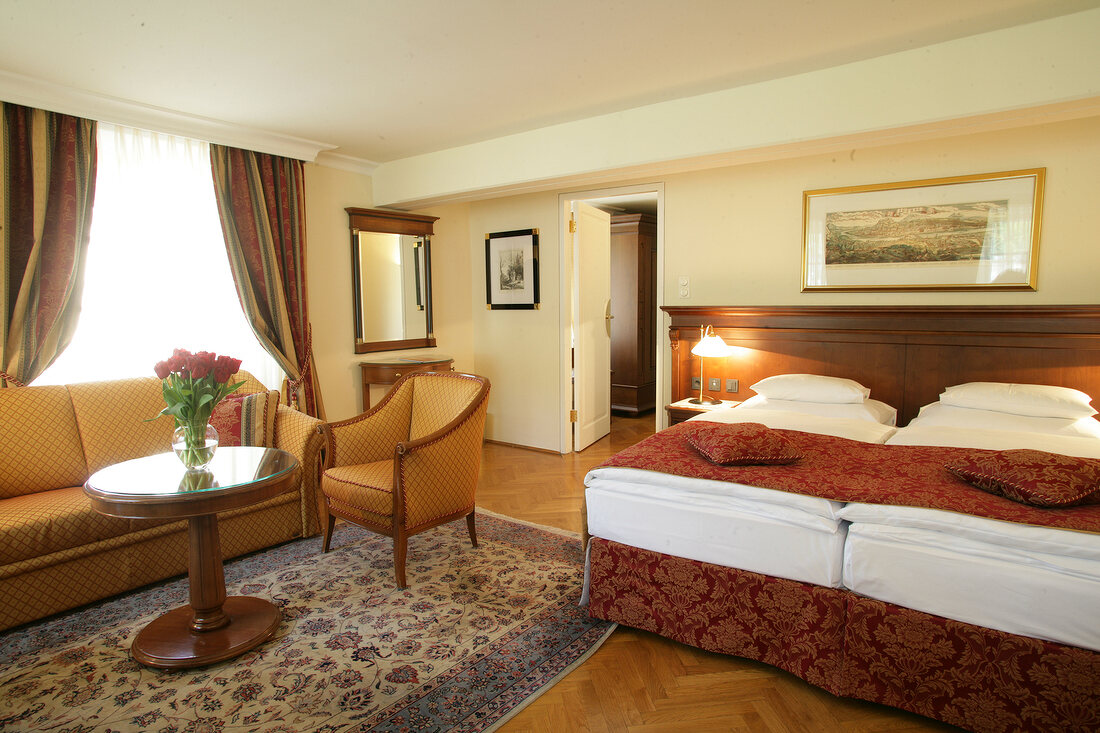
<point x="512" y="270"/>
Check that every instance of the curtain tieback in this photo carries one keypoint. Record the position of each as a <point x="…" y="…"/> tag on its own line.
<point x="304" y="368"/>
<point x="5" y="377"/>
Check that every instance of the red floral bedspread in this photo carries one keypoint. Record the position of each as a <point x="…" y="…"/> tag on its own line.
<point x="984" y="680"/>
<point x="849" y="470"/>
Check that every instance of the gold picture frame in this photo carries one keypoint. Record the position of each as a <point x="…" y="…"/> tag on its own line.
<point x="973" y="232"/>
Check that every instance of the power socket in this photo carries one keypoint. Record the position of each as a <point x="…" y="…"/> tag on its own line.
<point x="714" y="384"/>
<point x="731" y="385"/>
<point x="694" y="383"/>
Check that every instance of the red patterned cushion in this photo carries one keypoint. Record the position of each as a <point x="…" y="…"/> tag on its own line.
<point x="1032" y="476"/>
<point x="246" y="419"/>
<point x="740" y="444"/>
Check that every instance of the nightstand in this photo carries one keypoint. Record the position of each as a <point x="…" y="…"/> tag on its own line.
<point x="684" y="409"/>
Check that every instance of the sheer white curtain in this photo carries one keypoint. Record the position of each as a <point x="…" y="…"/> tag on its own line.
<point x="157" y="276"/>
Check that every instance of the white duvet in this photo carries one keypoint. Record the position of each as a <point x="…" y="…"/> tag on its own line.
<point x="766" y="531"/>
<point x="1028" y="580"/>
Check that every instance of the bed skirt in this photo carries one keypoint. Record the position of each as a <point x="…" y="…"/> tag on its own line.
<point x="980" y="679"/>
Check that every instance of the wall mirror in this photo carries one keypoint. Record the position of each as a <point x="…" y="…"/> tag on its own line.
<point x="391" y="279"/>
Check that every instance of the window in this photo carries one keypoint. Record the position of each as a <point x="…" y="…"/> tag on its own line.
<point x="157" y="275"/>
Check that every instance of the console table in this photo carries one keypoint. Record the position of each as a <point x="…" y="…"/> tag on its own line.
<point x="388" y="371"/>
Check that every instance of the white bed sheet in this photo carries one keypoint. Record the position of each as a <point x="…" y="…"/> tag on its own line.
<point x="872" y="410"/>
<point x="1033" y="581"/>
<point x="938" y="414"/>
<point x="992" y="584"/>
<point x="866" y="431"/>
<point x="732" y="525"/>
<point x="960" y="437"/>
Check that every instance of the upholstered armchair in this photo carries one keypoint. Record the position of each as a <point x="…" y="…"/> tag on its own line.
<point x="409" y="464"/>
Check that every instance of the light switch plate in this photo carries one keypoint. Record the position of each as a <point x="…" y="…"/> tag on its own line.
<point x="714" y="384"/>
<point x="731" y="385"/>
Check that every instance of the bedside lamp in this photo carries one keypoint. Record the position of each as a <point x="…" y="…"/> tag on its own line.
<point x="710" y="345"/>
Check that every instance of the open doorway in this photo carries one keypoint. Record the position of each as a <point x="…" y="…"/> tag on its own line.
<point x="634" y="256"/>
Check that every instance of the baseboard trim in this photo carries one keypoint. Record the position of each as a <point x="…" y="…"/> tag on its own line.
<point x="525" y="447"/>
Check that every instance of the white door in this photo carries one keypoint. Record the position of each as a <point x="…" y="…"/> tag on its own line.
<point x="591" y="326"/>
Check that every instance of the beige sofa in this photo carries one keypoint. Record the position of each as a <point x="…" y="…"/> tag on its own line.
<point x="56" y="553"/>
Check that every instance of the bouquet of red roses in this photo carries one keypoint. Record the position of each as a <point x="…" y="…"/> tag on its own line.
<point x="192" y="385"/>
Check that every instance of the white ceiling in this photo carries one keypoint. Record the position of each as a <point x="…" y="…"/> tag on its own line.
<point x="381" y="80"/>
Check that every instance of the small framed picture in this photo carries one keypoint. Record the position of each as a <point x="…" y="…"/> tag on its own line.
<point x="975" y="232"/>
<point x="512" y="270"/>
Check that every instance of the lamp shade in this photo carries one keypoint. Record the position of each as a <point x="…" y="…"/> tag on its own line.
<point x="711" y="345"/>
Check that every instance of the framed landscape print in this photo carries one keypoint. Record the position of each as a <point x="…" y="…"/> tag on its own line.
<point x="512" y="270"/>
<point x="978" y="232"/>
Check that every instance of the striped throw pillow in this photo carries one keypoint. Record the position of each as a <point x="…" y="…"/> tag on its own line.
<point x="247" y="419"/>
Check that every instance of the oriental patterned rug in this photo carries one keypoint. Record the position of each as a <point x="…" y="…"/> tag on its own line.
<point x="478" y="633"/>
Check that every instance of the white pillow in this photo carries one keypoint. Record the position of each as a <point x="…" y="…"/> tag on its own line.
<point x="938" y="414"/>
<point x="811" y="388"/>
<point x="871" y="410"/>
<point x="1037" y="400"/>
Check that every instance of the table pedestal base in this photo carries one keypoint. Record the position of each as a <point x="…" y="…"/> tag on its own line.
<point x="169" y="642"/>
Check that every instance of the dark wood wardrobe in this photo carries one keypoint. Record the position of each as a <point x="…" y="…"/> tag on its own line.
<point x="634" y="307"/>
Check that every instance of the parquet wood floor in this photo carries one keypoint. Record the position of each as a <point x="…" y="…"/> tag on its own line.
<point x="643" y="683"/>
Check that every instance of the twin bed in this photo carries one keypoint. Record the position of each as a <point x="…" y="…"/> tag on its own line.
<point x="865" y="566"/>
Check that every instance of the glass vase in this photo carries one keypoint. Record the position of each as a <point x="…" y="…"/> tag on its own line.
<point x="194" y="444"/>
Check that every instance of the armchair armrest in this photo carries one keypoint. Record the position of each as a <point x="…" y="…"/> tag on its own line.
<point x="298" y="434"/>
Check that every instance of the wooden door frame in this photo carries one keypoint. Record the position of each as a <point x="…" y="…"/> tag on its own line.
<point x="565" y="304"/>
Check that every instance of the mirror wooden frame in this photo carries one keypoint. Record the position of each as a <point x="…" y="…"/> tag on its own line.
<point x="389" y="222"/>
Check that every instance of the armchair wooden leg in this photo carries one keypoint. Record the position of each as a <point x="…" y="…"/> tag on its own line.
<point x="326" y="532"/>
<point x="400" y="549"/>
<point x="472" y="529"/>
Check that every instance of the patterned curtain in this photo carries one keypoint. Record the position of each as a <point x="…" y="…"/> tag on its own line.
<point x="47" y="183"/>
<point x="261" y="201"/>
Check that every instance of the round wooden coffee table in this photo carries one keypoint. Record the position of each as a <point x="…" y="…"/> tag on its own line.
<point x="212" y="627"/>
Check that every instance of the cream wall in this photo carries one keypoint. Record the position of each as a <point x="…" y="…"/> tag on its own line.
<point x="732" y="224"/>
<point x="519" y="350"/>
<point x="745" y="223"/>
<point x="328" y="276"/>
<point x="1020" y="74"/>
<point x="736" y="233"/>
<point x="328" y="271"/>
<point x="454" y="287"/>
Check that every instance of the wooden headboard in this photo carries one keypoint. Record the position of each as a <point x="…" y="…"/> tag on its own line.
<point x="906" y="355"/>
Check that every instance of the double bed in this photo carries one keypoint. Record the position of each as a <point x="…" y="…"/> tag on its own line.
<point x="886" y="578"/>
